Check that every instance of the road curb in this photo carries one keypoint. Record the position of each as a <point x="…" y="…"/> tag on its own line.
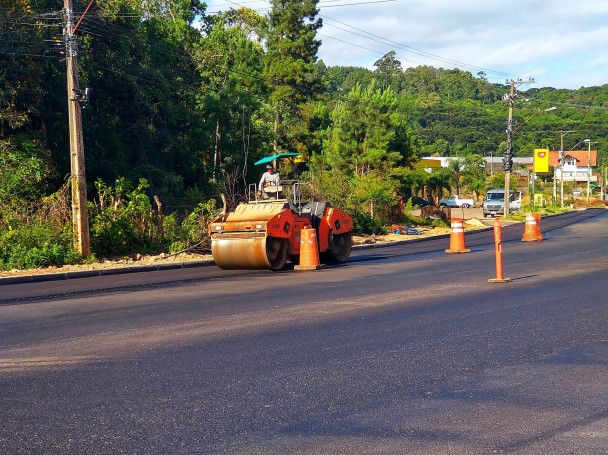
<point x="60" y="276"/>
<point x="102" y="272"/>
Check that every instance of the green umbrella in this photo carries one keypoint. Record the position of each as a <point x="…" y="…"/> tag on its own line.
<point x="269" y="159"/>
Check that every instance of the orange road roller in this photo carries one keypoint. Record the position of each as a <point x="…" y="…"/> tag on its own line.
<point x="265" y="232"/>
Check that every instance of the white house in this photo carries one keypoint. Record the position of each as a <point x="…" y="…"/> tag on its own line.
<point x="576" y="165"/>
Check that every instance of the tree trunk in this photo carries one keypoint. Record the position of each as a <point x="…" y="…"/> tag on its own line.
<point x="216" y="152"/>
<point x="159" y="211"/>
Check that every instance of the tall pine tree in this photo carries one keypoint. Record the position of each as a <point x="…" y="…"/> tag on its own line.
<point x="290" y="63"/>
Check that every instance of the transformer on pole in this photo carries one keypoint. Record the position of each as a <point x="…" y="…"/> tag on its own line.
<point x="507" y="161"/>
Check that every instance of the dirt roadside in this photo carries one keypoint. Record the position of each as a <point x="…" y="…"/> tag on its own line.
<point x="404" y="233"/>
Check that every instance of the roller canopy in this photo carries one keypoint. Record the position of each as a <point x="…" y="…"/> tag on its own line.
<point x="269" y="159"/>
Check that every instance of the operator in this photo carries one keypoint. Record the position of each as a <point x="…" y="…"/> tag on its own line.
<point x="269" y="178"/>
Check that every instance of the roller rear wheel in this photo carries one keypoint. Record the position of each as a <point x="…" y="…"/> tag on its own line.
<point x="340" y="246"/>
<point x="276" y="252"/>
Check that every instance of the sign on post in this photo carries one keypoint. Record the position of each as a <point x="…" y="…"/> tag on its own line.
<point x="541" y="160"/>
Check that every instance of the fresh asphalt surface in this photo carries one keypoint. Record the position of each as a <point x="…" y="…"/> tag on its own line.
<point x="404" y="350"/>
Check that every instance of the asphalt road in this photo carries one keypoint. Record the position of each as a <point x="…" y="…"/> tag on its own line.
<point x="404" y="350"/>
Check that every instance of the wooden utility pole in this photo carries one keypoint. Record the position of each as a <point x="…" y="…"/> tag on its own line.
<point x="507" y="161"/>
<point x="80" y="217"/>
<point x="561" y="164"/>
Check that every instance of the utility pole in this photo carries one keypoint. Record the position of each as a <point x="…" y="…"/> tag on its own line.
<point x="561" y="164"/>
<point x="507" y="161"/>
<point x="588" y="169"/>
<point x="80" y="217"/>
<point x="588" y="141"/>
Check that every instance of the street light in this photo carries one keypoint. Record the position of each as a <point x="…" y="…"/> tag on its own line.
<point x="534" y="115"/>
<point x="561" y="163"/>
<point x="588" y="141"/>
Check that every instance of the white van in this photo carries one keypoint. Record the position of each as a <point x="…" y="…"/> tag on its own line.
<point x="494" y="203"/>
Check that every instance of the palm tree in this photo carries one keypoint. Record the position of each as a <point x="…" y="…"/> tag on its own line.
<point x="438" y="181"/>
<point x="456" y="166"/>
<point x="473" y="175"/>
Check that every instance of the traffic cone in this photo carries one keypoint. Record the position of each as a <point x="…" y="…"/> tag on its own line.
<point x="457" y="237"/>
<point x="498" y="250"/>
<point x="309" y="250"/>
<point x="532" y="228"/>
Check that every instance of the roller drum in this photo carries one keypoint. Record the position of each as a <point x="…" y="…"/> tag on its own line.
<point x="249" y="252"/>
<point x="340" y="247"/>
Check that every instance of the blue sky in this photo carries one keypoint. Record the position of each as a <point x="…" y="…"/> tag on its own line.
<point x="560" y="43"/>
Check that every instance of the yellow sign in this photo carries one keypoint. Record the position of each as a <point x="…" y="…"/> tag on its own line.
<point x="430" y="163"/>
<point x="541" y="160"/>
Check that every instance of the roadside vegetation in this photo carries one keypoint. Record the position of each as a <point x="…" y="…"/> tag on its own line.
<point x="184" y="103"/>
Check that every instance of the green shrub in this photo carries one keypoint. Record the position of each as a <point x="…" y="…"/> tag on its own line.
<point x="122" y="221"/>
<point x="36" y="245"/>
<point x="193" y="230"/>
<point x="114" y="235"/>
<point x="365" y="224"/>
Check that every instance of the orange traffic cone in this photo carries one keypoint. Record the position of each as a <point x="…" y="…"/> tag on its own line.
<point x="309" y="250"/>
<point x="498" y="251"/>
<point x="457" y="237"/>
<point x="532" y="228"/>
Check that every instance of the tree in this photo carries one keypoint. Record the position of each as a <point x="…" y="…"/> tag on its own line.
<point x="290" y="62"/>
<point x="230" y="64"/>
<point x="473" y="174"/>
<point x="389" y="72"/>
<point x="456" y="167"/>
<point x="367" y="133"/>
<point x="365" y="146"/>
<point x="439" y="181"/>
<point x="141" y="121"/>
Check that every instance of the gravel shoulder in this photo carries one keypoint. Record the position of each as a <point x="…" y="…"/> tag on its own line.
<point x="190" y="258"/>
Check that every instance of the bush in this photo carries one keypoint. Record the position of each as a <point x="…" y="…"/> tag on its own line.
<point x="36" y="245"/>
<point x="365" y="224"/>
<point x="193" y="230"/>
<point x="122" y="221"/>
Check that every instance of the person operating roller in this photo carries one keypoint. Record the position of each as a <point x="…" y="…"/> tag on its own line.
<point x="269" y="183"/>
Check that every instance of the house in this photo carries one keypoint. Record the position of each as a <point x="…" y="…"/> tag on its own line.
<point x="576" y="165"/>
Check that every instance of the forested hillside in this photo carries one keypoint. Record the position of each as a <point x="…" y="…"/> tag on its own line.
<point x="182" y="104"/>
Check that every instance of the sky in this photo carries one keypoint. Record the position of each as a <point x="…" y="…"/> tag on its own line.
<point x="558" y="43"/>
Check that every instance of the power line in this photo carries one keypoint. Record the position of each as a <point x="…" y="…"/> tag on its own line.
<point x="561" y="103"/>
<point x="387" y="42"/>
<point x="324" y="4"/>
<point x="112" y="32"/>
<point x="382" y="40"/>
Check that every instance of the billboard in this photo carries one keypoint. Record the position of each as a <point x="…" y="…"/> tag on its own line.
<point x="541" y="160"/>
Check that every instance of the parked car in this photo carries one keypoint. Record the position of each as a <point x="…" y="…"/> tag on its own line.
<point x="456" y="201"/>
<point x="418" y="201"/>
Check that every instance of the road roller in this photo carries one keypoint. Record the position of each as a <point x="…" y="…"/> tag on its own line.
<point x="264" y="233"/>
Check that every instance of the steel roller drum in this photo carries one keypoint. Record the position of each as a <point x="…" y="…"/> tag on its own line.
<point x="233" y="252"/>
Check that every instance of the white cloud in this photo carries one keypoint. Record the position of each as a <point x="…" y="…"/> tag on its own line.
<point x="558" y="42"/>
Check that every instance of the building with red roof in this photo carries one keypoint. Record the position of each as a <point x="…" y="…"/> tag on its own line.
<point x="575" y="165"/>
